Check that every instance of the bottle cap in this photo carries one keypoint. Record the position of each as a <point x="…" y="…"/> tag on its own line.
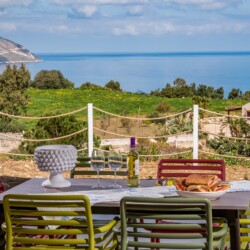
<point x="132" y="142"/>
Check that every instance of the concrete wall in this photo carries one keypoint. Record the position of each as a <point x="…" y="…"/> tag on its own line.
<point x="245" y="108"/>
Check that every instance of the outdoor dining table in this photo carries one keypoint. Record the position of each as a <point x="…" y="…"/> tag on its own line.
<point x="228" y="206"/>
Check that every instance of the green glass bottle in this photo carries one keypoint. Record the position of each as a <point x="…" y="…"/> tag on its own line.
<point x="133" y="165"/>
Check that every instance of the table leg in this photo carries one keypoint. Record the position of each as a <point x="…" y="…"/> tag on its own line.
<point x="234" y="225"/>
<point x="232" y="217"/>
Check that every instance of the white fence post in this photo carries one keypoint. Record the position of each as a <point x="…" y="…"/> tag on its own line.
<point x="90" y="129"/>
<point x="195" y="132"/>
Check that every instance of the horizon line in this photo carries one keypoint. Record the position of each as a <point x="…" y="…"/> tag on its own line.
<point x="156" y="53"/>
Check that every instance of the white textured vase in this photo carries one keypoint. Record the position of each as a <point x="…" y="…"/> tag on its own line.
<point x="56" y="159"/>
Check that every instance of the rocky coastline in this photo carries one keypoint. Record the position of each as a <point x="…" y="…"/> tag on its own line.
<point x="11" y="52"/>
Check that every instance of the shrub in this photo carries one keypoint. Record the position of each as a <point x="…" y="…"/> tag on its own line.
<point x="113" y="85"/>
<point x="56" y="127"/>
<point x="162" y="107"/>
<point x="51" y="79"/>
<point x="89" y="85"/>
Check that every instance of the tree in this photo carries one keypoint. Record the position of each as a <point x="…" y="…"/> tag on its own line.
<point x="246" y="96"/>
<point x="51" y="79"/>
<point x="218" y="93"/>
<point x="202" y="90"/>
<point x="179" y="82"/>
<point x="89" y="85"/>
<point x="168" y="91"/>
<point x="181" y="89"/>
<point x="235" y="94"/>
<point x="193" y="88"/>
<point x="14" y="83"/>
<point x="113" y="85"/>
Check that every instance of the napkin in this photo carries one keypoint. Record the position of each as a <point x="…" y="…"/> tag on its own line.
<point x="238" y="186"/>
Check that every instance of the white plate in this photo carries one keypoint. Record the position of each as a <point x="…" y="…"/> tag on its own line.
<point x="209" y="195"/>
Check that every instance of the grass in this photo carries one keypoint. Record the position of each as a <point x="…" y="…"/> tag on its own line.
<point x="60" y="101"/>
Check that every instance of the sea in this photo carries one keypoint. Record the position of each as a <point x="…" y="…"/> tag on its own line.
<point x="145" y="72"/>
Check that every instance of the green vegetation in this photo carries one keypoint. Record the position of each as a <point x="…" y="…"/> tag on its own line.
<point x="54" y="128"/>
<point x="51" y="79"/>
<point x="90" y="85"/>
<point x="66" y="100"/>
<point x="181" y="89"/>
<point x="14" y="83"/>
<point x="52" y="94"/>
<point x="113" y="85"/>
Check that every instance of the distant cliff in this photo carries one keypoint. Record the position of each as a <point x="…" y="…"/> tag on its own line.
<point x="11" y="52"/>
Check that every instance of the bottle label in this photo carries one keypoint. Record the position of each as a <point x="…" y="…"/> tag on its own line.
<point x="137" y="167"/>
<point x="130" y="167"/>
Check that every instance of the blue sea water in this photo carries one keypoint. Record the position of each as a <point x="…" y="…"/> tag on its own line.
<point x="150" y="71"/>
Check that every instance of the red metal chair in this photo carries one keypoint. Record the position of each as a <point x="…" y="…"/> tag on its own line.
<point x="1" y="187"/>
<point x="170" y="168"/>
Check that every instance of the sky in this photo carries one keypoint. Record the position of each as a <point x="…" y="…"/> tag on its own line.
<point x="92" y="26"/>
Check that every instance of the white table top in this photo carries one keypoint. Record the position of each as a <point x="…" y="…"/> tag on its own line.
<point x="229" y="201"/>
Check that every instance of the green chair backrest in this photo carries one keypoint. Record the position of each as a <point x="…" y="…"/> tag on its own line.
<point x="189" y="224"/>
<point x="83" y="168"/>
<point x="245" y="229"/>
<point x="52" y="222"/>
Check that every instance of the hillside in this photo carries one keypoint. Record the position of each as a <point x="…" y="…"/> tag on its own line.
<point x="43" y="102"/>
<point x="11" y="52"/>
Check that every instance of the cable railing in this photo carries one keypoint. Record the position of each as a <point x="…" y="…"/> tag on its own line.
<point x="142" y="118"/>
<point x="158" y="129"/>
<point x="43" y="117"/>
<point x="227" y="135"/>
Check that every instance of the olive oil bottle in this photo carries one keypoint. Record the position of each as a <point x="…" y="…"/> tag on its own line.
<point x="133" y="165"/>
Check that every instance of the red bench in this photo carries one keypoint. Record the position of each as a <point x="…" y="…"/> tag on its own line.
<point x="183" y="167"/>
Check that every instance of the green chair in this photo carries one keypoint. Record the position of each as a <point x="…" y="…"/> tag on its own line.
<point x="244" y="230"/>
<point x="49" y="222"/>
<point x="83" y="168"/>
<point x="190" y="224"/>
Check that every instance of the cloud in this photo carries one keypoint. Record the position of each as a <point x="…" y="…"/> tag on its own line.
<point x="2" y="11"/>
<point x="123" y="17"/>
<point x="8" y="26"/>
<point x="7" y="3"/>
<point x="144" y="28"/>
<point x="135" y="10"/>
<point x="87" y="10"/>
<point x="64" y="28"/>
<point x="160" y="28"/>
<point x="128" y="29"/>
<point x="205" y="4"/>
<point x="101" y="2"/>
